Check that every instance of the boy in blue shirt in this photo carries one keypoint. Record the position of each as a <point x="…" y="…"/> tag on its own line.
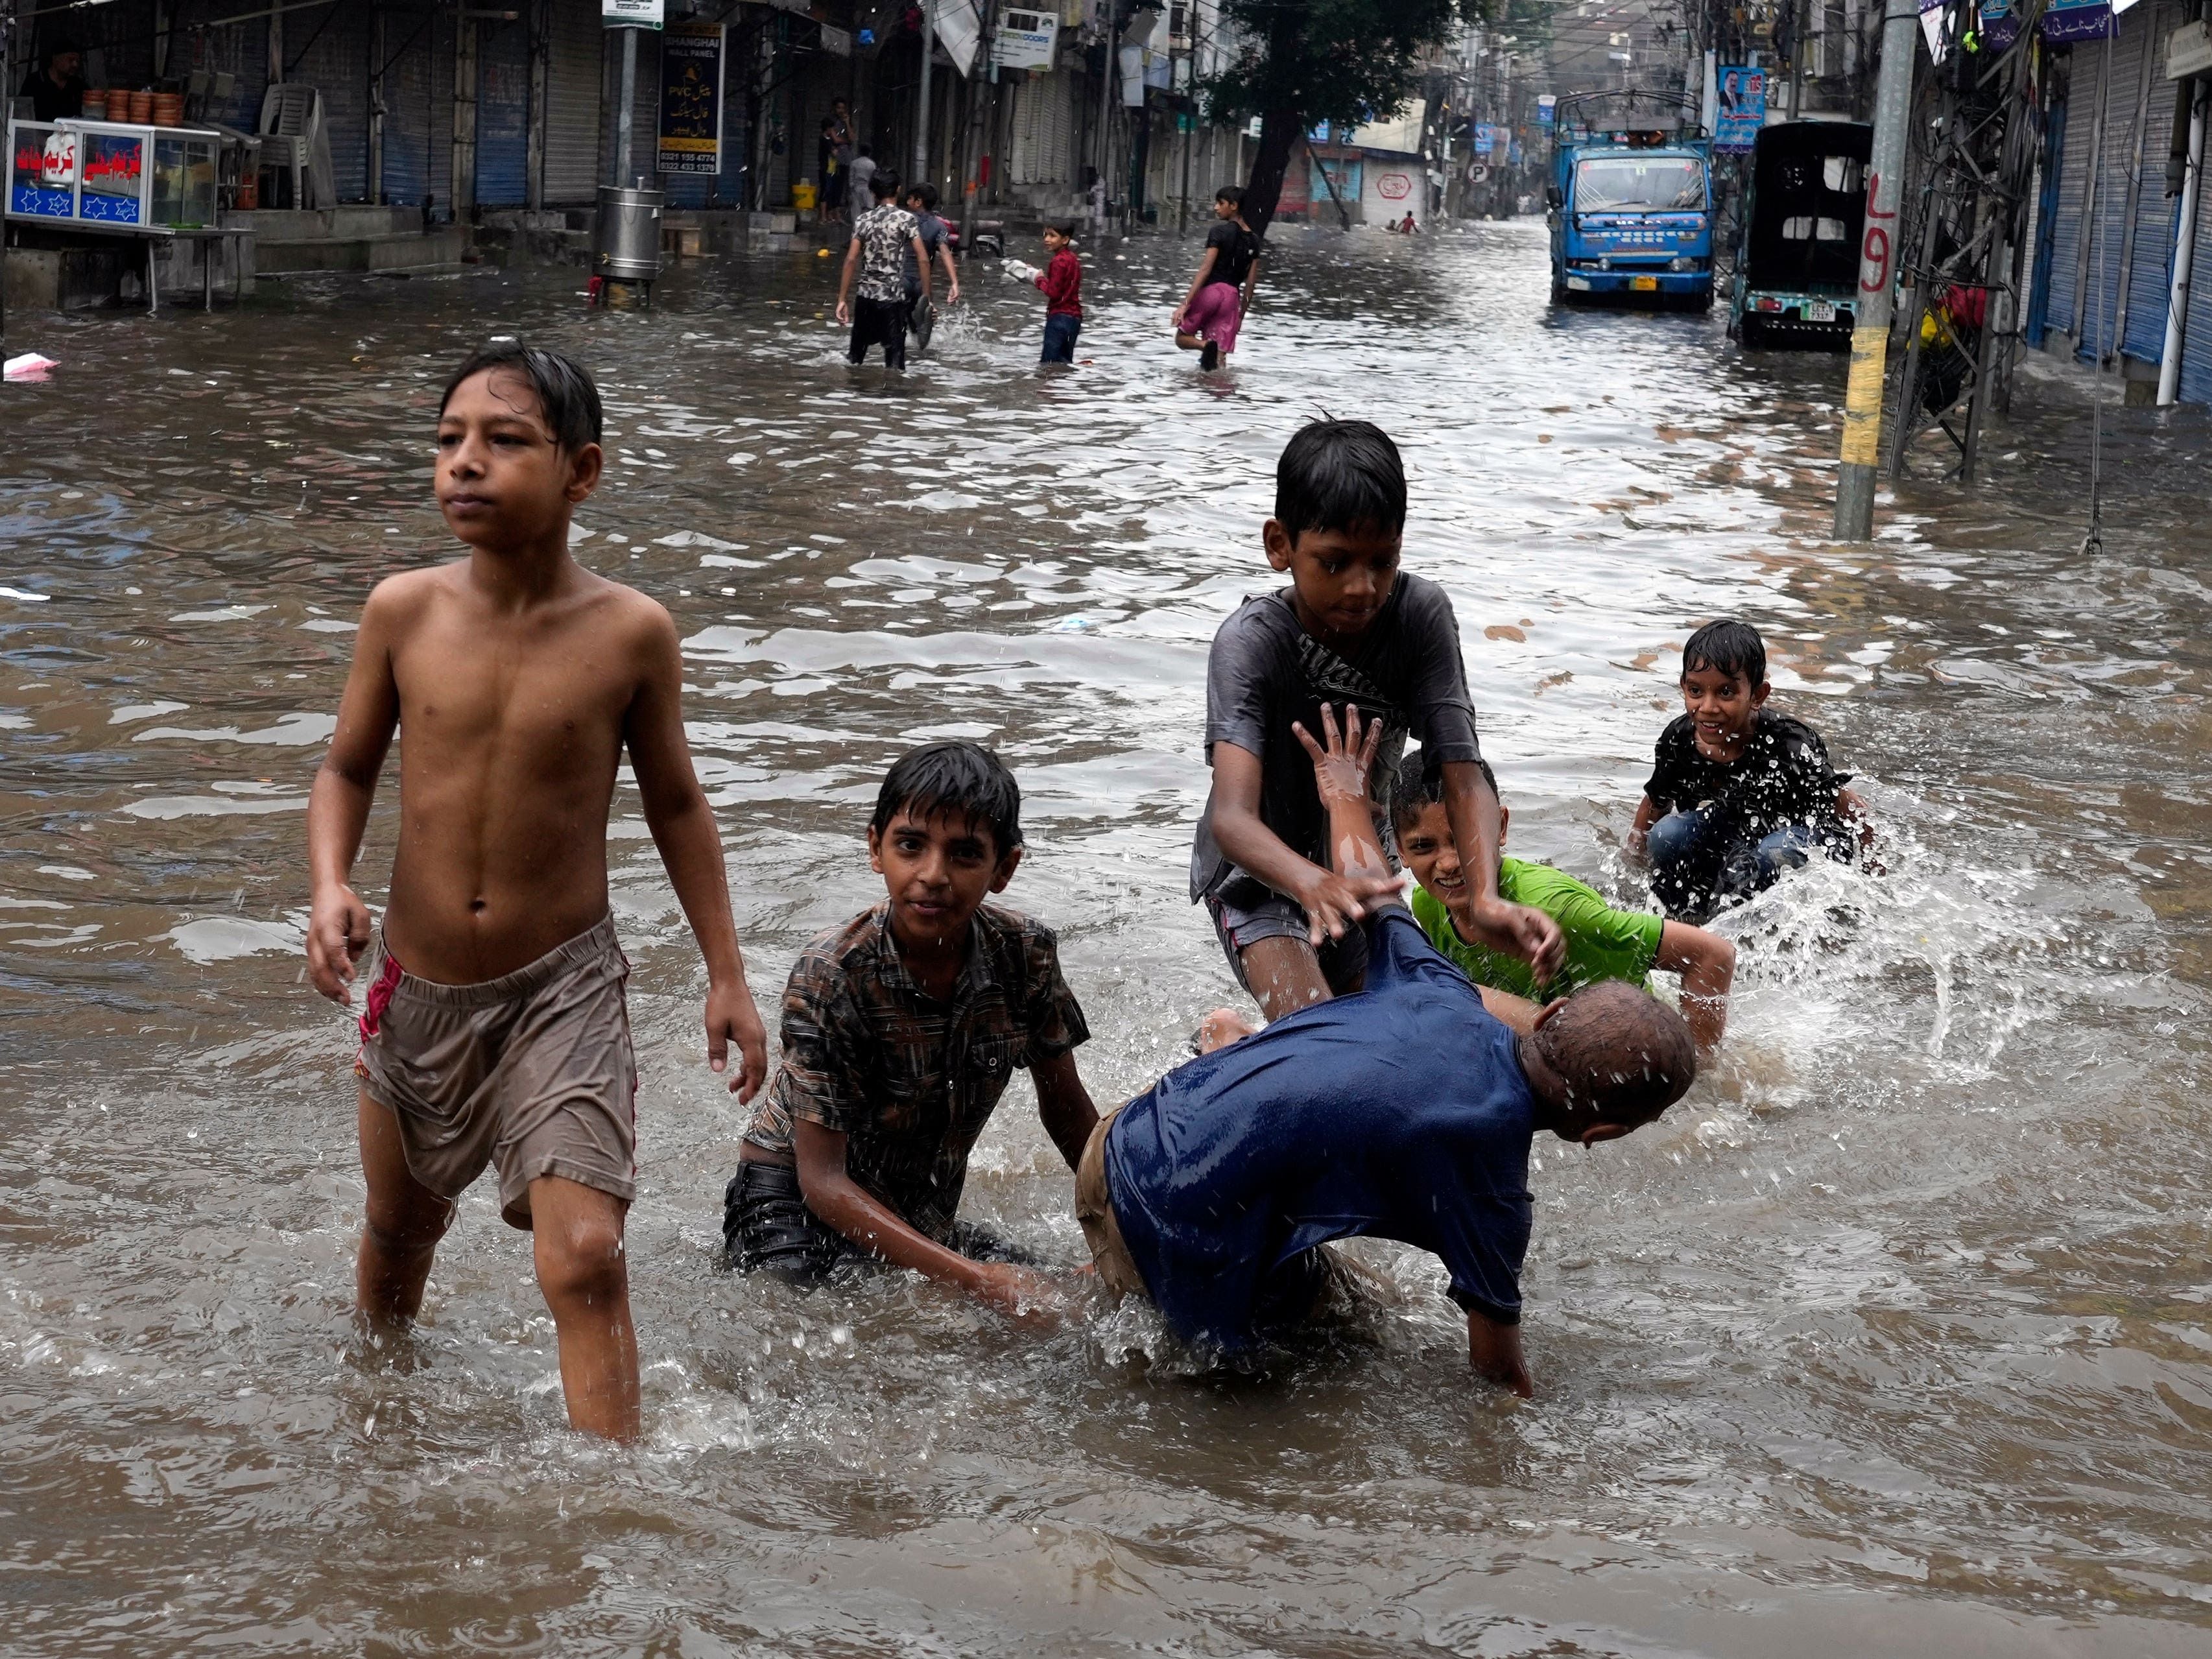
<point x="1405" y="1112"/>
<point x="1350" y="628"/>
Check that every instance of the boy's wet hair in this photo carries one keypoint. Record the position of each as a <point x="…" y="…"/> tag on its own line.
<point x="1624" y="1055"/>
<point x="1728" y="646"/>
<point x="884" y="186"/>
<point x="1232" y="194"/>
<point x="1417" y="788"/>
<point x="1340" y="475"/>
<point x="925" y="194"/>
<point x="566" y="396"/>
<point x="1064" y="227"/>
<point x="953" y="776"/>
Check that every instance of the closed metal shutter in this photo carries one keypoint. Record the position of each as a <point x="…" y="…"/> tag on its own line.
<point x="2075" y="158"/>
<point x="329" y="50"/>
<point x="241" y="52"/>
<point x="417" y="127"/>
<point x="2197" y="343"/>
<point x="2150" y="268"/>
<point x="1043" y="130"/>
<point x="2124" y="143"/>
<point x="503" y="114"/>
<point x="573" y="75"/>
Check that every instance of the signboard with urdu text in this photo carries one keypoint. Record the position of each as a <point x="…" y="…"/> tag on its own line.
<point x="1742" y="109"/>
<point x="691" y="97"/>
<point x="632" y="14"/>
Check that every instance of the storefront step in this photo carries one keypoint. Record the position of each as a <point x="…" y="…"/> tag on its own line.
<point x="415" y="250"/>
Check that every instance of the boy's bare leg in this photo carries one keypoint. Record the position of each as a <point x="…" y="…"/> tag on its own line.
<point x="1284" y="976"/>
<point x="576" y="1233"/>
<point x="404" y="1222"/>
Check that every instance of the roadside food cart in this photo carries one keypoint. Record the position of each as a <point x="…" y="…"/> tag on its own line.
<point x="120" y="178"/>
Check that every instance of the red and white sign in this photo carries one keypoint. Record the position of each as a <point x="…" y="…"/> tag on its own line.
<point x="1394" y="187"/>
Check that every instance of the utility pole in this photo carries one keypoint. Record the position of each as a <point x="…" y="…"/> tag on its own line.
<point x="625" y="109"/>
<point x="1878" y="250"/>
<point x="921" y="110"/>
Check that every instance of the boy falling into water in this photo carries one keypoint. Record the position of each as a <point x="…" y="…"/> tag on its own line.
<point x="901" y="1030"/>
<point x="518" y="678"/>
<point x="1352" y="629"/>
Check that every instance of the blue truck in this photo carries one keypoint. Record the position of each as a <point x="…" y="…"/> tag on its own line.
<point x="1631" y="201"/>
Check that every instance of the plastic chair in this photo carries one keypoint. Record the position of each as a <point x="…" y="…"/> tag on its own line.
<point x="293" y="140"/>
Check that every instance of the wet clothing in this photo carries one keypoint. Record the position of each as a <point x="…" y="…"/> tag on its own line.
<point x="885" y="235"/>
<point x="50" y="102"/>
<point x="766" y="1224"/>
<point x="1602" y="943"/>
<point x="1235" y="248"/>
<point x="1399" y="1113"/>
<point x="1062" y="283"/>
<point x="911" y="1080"/>
<point x="860" y="169"/>
<point x="1216" y="313"/>
<point x="1061" y="334"/>
<point x="1265" y="672"/>
<point x="1782" y="777"/>
<point x="1782" y="781"/>
<point x="879" y="322"/>
<point x="532" y="1072"/>
<point x="1239" y="927"/>
<point x="932" y="231"/>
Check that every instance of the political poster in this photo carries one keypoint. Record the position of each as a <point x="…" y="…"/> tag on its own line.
<point x="1742" y="109"/>
<point x="691" y="97"/>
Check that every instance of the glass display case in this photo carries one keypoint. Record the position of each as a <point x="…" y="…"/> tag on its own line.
<point x="110" y="176"/>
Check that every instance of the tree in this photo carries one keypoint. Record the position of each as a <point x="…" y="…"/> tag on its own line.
<point x="1304" y="62"/>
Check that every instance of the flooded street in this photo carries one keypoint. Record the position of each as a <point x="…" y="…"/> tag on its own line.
<point x="1892" y="1338"/>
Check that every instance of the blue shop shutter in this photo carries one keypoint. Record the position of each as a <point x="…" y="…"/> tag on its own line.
<point x="2124" y="140"/>
<point x="414" y="134"/>
<point x="2151" y="270"/>
<point x="503" y="115"/>
<point x="2073" y="167"/>
<point x="328" y="49"/>
<point x="2197" y="344"/>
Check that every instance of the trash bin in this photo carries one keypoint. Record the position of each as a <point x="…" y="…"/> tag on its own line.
<point x="629" y="234"/>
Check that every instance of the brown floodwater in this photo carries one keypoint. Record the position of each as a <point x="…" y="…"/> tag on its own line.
<point x="1891" y="1338"/>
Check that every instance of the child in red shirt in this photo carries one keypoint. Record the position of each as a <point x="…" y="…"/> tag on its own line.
<point x="1062" y="283"/>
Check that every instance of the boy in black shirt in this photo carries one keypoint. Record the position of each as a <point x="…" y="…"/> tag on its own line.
<point x="1349" y="629"/>
<point x="1737" y="792"/>
<point x="1221" y="293"/>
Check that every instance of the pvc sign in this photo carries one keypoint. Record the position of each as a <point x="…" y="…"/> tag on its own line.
<point x="1742" y="109"/>
<point x="632" y="14"/>
<point x="1027" y="40"/>
<point x="690" y="99"/>
<point x="1547" y="111"/>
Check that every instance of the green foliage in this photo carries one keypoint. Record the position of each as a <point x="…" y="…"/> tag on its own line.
<point x="1333" y="60"/>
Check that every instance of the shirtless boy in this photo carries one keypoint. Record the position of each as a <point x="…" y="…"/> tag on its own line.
<point x="520" y="677"/>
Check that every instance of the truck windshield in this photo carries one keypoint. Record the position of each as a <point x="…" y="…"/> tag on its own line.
<point x="1655" y="184"/>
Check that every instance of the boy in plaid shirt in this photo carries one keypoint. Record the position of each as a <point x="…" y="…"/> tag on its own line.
<point x="901" y="1030"/>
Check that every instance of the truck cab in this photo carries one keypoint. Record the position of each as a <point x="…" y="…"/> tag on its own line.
<point x="1631" y="207"/>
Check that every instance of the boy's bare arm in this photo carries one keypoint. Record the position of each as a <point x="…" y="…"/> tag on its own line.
<point x="845" y="280"/>
<point x="683" y="825"/>
<point x="345" y="784"/>
<point x="1064" y="1105"/>
<point x="1516" y="929"/>
<point x="842" y="1202"/>
<point x="1333" y="900"/>
<point x="1706" y="963"/>
<point x="1647" y="814"/>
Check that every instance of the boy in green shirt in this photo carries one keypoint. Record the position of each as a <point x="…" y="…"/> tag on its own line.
<point x="1601" y="943"/>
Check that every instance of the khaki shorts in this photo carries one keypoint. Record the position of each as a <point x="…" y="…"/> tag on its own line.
<point x="533" y="1071"/>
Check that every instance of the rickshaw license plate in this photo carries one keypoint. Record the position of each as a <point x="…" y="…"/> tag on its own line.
<point x="1819" y="311"/>
<point x="1644" y="285"/>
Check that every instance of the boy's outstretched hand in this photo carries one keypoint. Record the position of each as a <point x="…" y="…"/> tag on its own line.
<point x="1519" y="930"/>
<point x="731" y="1017"/>
<point x="338" y="933"/>
<point x="1336" y="899"/>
